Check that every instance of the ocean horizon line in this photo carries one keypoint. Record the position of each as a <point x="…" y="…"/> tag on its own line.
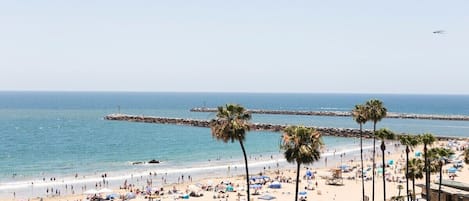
<point x="235" y="92"/>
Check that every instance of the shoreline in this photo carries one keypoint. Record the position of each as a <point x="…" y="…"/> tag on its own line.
<point x="395" y="152"/>
<point x="36" y="187"/>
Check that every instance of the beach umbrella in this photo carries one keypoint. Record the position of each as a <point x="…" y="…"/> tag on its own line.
<point x="452" y="170"/>
<point x="130" y="195"/>
<point x="380" y="170"/>
<point x="391" y="162"/>
<point x="302" y="193"/>
<point x="91" y="192"/>
<point x="255" y="178"/>
<point x="418" y="153"/>
<point x="344" y="167"/>
<point x="105" y="190"/>
<point x="276" y="185"/>
<point x="229" y="188"/>
<point x="255" y="186"/>
<point x="112" y="196"/>
<point x="309" y="173"/>
<point x="266" y="197"/>
<point x="259" y="177"/>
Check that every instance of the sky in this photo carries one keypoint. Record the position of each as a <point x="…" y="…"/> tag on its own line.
<point x="267" y="46"/>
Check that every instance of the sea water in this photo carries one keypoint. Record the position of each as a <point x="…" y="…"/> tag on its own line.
<point x="48" y="135"/>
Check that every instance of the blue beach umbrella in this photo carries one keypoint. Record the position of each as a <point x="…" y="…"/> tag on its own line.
<point x="452" y="170"/>
<point x="229" y="188"/>
<point x="260" y="177"/>
<point x="276" y="185"/>
<point x="344" y="167"/>
<point x="267" y="197"/>
<point x="391" y="162"/>
<point x="130" y="195"/>
<point x="112" y="196"/>
<point x="255" y="186"/>
<point x="380" y="170"/>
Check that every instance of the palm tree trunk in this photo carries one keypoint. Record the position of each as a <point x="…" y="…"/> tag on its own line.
<point x="361" y="158"/>
<point x="297" y="180"/>
<point x="247" y="169"/>
<point x="407" y="150"/>
<point x="441" y="178"/>
<point x="374" y="152"/>
<point x="383" y="147"/>
<point x="427" y="174"/>
<point x="413" y="189"/>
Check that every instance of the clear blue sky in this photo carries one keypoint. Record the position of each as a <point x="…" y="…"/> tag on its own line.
<point x="242" y="46"/>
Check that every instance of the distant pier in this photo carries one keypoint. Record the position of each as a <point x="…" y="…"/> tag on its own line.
<point x="392" y="115"/>
<point x="325" y="131"/>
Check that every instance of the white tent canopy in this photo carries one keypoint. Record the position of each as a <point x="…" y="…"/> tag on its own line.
<point x="91" y="192"/>
<point x="105" y="190"/>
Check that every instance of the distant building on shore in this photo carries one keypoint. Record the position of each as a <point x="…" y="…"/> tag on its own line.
<point x="450" y="191"/>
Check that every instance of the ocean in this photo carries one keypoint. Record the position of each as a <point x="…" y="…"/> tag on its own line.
<point x="61" y="134"/>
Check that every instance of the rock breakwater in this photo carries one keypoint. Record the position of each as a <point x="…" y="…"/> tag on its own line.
<point x="326" y="131"/>
<point x="393" y="115"/>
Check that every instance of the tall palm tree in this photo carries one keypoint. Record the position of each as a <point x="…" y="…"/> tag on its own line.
<point x="427" y="140"/>
<point x="359" y="115"/>
<point x="436" y="157"/>
<point x="302" y="146"/>
<point x="410" y="141"/>
<point x="415" y="172"/>
<point x="231" y="124"/>
<point x="375" y="112"/>
<point x="384" y="134"/>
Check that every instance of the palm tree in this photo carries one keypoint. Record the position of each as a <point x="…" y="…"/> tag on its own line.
<point x="375" y="112"/>
<point x="302" y="146"/>
<point x="436" y="157"/>
<point x="231" y="124"/>
<point x="415" y="172"/>
<point x="399" y="187"/>
<point x="409" y="141"/>
<point x="384" y="134"/>
<point x="427" y="140"/>
<point x="359" y="115"/>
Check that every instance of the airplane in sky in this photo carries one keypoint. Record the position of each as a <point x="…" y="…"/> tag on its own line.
<point x="439" y="32"/>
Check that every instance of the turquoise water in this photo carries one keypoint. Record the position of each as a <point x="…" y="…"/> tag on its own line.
<point x="49" y="134"/>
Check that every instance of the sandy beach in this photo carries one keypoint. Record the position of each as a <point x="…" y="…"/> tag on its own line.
<point x="315" y="187"/>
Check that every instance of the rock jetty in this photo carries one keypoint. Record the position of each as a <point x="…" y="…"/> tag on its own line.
<point x="393" y="115"/>
<point x="326" y="131"/>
